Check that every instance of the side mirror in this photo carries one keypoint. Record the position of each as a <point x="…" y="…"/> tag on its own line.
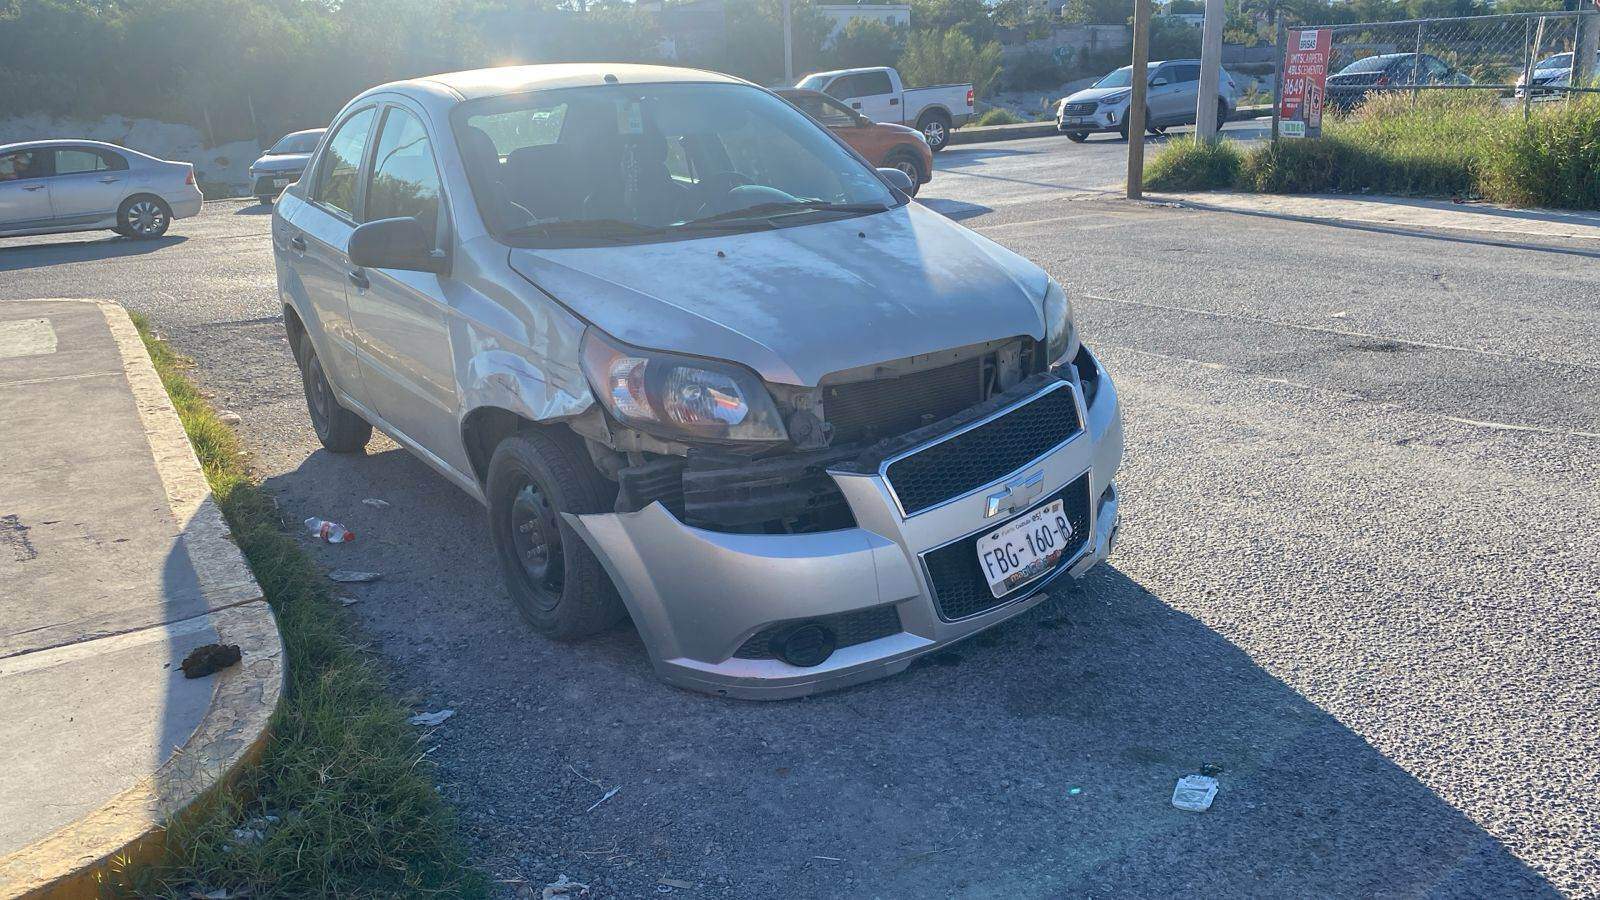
<point x="899" y="179"/>
<point x="400" y="243"/>
<point x="1158" y="82"/>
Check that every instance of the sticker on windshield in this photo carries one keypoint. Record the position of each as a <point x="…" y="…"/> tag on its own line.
<point x="629" y="119"/>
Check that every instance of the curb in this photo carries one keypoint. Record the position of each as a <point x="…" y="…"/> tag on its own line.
<point x="129" y="828"/>
<point x="978" y="134"/>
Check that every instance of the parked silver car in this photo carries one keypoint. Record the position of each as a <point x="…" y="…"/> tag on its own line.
<point x="1551" y="73"/>
<point x="703" y="365"/>
<point x="47" y="187"/>
<point x="283" y="163"/>
<point x="1172" y="99"/>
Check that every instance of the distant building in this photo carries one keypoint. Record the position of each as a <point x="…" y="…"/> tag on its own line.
<point x="894" y="15"/>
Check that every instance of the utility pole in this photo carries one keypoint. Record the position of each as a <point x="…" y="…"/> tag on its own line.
<point x="788" y="46"/>
<point x="1205" y="110"/>
<point x="1136" y="104"/>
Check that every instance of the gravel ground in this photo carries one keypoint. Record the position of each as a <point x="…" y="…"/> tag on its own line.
<point x="1358" y="573"/>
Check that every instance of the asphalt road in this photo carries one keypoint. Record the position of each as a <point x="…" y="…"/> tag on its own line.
<point x="1359" y="572"/>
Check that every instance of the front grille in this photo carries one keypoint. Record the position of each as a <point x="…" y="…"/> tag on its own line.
<point x="869" y="410"/>
<point x="988" y="452"/>
<point x="959" y="588"/>
<point x="1080" y="109"/>
<point x="849" y="628"/>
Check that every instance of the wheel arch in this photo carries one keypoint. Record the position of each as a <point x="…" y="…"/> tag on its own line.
<point x="934" y="109"/>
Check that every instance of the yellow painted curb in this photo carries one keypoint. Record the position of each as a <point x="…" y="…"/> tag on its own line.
<point x="130" y="828"/>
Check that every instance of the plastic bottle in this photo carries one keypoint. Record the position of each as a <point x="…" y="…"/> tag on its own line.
<point x="332" y="532"/>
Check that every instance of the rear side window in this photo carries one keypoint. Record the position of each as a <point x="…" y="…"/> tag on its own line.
<point x="405" y="182"/>
<point x="76" y="160"/>
<point x="336" y="182"/>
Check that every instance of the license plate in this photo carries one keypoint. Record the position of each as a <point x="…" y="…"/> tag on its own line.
<point x="1024" y="548"/>
<point x="280" y="182"/>
<point x="1077" y="120"/>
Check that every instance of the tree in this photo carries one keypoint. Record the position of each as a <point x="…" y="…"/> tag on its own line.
<point x="866" y="42"/>
<point x="1097" y="12"/>
<point x="950" y="57"/>
<point x="969" y="17"/>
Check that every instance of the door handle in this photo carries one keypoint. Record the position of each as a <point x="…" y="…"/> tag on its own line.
<point x="33" y="187"/>
<point x="297" y="244"/>
<point x="110" y="179"/>
<point x="894" y="101"/>
<point x="358" y="278"/>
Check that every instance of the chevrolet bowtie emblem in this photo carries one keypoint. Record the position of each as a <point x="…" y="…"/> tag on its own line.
<point x="1014" y="496"/>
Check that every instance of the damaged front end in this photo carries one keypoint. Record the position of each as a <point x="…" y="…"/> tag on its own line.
<point x="845" y="550"/>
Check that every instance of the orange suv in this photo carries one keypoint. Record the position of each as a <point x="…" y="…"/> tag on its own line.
<point x="883" y="144"/>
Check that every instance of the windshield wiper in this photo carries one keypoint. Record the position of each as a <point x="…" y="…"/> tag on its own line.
<point x="789" y="207"/>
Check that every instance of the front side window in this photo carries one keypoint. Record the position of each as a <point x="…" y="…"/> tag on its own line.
<point x="20" y="164"/>
<point x="1183" y="74"/>
<point x="72" y="162"/>
<point x="405" y="182"/>
<point x="653" y="162"/>
<point x="873" y="83"/>
<point x="336" y="184"/>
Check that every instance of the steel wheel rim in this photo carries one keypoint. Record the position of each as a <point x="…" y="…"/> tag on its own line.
<point x="536" y="539"/>
<point x="910" y="168"/>
<point x="320" y="395"/>
<point x="145" y="217"/>
<point x="935" y="132"/>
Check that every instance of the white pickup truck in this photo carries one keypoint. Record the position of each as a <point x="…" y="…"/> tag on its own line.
<point x="878" y="94"/>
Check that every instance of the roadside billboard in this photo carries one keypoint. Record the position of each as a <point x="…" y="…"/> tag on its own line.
<point x="1305" y="78"/>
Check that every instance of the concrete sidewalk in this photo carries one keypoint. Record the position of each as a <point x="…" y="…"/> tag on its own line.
<point x="114" y="564"/>
<point x="1398" y="212"/>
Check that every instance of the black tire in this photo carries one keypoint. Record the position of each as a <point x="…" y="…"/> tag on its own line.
<point x="1077" y="137"/>
<point x="339" y="429"/>
<point x="265" y="199"/>
<point x="1222" y="114"/>
<point x="909" y="164"/>
<point x="935" y="126"/>
<point x="553" y="577"/>
<point x="144" y="217"/>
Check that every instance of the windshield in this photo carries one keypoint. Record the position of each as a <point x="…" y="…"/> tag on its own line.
<point x="1559" y="61"/>
<point x="1120" y="78"/>
<point x="614" y="163"/>
<point x="812" y="82"/>
<point x="295" y="143"/>
<point x="1370" y="64"/>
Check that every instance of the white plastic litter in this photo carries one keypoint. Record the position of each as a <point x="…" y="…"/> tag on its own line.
<point x="432" y="718"/>
<point x="1194" y="793"/>
<point x="561" y="887"/>
<point x="352" y="576"/>
<point x="375" y="503"/>
<point x="332" y="532"/>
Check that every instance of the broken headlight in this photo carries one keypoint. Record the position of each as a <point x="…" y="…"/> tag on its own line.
<point x="682" y="396"/>
<point x="1061" y="338"/>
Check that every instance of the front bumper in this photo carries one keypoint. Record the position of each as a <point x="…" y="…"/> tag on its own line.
<point x="698" y="597"/>
<point x="268" y="183"/>
<point x="1104" y="118"/>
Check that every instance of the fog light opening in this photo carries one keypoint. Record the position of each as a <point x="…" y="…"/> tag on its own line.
<point x="806" y="646"/>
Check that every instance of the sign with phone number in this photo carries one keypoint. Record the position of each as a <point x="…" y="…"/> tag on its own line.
<point x="1305" y="79"/>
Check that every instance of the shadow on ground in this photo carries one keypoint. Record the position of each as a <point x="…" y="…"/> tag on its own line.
<point x="15" y="257"/>
<point x="1037" y="759"/>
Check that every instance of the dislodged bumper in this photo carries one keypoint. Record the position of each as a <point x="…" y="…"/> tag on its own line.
<point x="721" y="612"/>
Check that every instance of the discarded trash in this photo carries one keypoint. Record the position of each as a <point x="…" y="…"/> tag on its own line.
<point x="218" y="894"/>
<point x="676" y="883"/>
<point x="561" y="887"/>
<point x="202" y="661"/>
<point x="1194" y="793"/>
<point x="349" y="601"/>
<point x="352" y="576"/>
<point x="229" y="418"/>
<point x="332" y="532"/>
<point x="1073" y="792"/>
<point x="609" y="794"/>
<point x="1212" y="769"/>
<point x="433" y="718"/>
<point x="375" y="503"/>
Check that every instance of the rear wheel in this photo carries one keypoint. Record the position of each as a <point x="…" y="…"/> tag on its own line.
<point x="144" y="217"/>
<point x="555" y="580"/>
<point x="910" y="165"/>
<point x="338" y="429"/>
<point x="935" y="126"/>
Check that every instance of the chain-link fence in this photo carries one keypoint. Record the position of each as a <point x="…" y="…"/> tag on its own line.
<point x="1529" y="56"/>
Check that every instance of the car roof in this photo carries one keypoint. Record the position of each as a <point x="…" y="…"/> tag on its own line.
<point x="307" y="131"/>
<point x="475" y="83"/>
<point x="856" y="71"/>
<point x="66" y="142"/>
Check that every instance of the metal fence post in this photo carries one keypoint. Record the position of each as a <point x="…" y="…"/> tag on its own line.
<point x="1277" y="78"/>
<point x="1416" y="64"/>
<point x="1527" y="67"/>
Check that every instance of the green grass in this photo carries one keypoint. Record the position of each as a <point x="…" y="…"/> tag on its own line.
<point x="358" y="814"/>
<point x="998" y="116"/>
<point x="1444" y="144"/>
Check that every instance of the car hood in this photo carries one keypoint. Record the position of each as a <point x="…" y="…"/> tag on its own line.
<point x="1096" y="94"/>
<point x="282" y="162"/>
<point x="799" y="302"/>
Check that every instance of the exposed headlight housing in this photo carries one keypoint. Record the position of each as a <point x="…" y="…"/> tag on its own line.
<point x="679" y="396"/>
<point x="1061" y="337"/>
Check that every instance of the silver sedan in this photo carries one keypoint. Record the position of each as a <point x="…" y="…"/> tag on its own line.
<point x="48" y="187"/>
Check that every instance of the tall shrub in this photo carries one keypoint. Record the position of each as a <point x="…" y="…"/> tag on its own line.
<point x="934" y="58"/>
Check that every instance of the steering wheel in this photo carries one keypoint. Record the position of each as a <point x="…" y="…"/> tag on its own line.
<point x="716" y="188"/>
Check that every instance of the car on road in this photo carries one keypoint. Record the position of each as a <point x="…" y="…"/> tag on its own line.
<point x="704" y="366"/>
<point x="878" y="93"/>
<point x="881" y="143"/>
<point x="283" y="163"/>
<point x="1173" y="98"/>
<point x="1551" y="73"/>
<point x="57" y="186"/>
<point x="1350" y="86"/>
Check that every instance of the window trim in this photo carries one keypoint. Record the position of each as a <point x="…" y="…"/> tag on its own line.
<point x="105" y="156"/>
<point x="444" y="227"/>
<point x="325" y="154"/>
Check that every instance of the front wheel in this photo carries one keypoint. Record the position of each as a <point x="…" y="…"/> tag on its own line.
<point x="909" y="164"/>
<point x="1222" y="115"/>
<point x="936" y="128"/>
<point x="144" y="217"/>
<point x="338" y="429"/>
<point x="555" y="580"/>
<point x="1077" y="137"/>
